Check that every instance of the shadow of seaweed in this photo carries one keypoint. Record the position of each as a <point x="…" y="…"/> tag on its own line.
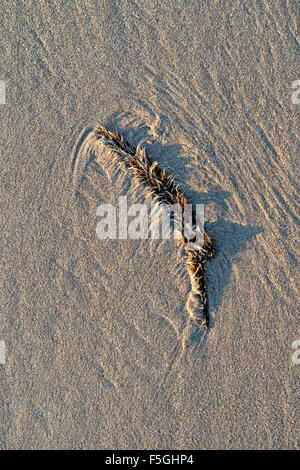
<point x="229" y="239"/>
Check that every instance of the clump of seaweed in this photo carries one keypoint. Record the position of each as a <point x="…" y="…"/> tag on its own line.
<point x="165" y="191"/>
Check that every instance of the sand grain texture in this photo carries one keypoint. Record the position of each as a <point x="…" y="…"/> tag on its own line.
<point x="98" y="355"/>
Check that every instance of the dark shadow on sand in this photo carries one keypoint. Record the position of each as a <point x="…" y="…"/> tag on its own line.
<point x="229" y="239"/>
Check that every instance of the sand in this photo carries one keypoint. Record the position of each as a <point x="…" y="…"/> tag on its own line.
<point x="99" y="353"/>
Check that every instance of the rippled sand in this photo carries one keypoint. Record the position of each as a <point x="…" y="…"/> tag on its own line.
<point x="99" y="353"/>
